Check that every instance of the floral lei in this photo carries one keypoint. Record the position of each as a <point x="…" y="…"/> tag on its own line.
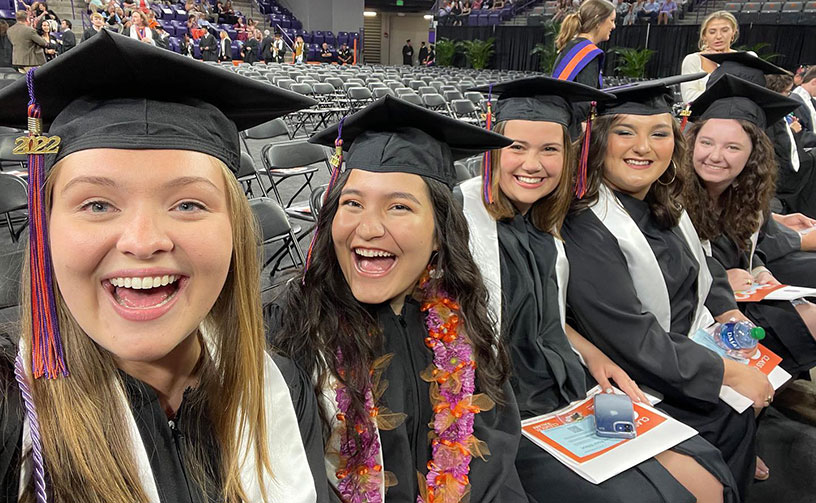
<point x="452" y="382"/>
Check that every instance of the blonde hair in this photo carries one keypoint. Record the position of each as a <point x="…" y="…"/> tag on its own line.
<point x="587" y="18"/>
<point x="97" y="15"/>
<point x="714" y="16"/>
<point x="548" y="213"/>
<point x="82" y="424"/>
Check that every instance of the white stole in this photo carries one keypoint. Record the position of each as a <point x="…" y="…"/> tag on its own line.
<point x="291" y="480"/>
<point x="643" y="266"/>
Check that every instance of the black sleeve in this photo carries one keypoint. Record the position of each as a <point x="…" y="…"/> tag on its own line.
<point x="720" y="298"/>
<point x="776" y="240"/>
<point x="305" y="402"/>
<point x="11" y="424"/>
<point x="602" y="299"/>
<point x="589" y="74"/>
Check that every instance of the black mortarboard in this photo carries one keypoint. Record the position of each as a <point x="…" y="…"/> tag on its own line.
<point x="143" y="97"/>
<point x="115" y="92"/>
<point x="392" y="135"/>
<point x="744" y="65"/>
<point x="652" y="97"/>
<point x="734" y="98"/>
<point x="541" y="99"/>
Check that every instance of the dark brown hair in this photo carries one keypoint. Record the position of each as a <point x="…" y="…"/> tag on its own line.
<point x="663" y="198"/>
<point x="743" y="205"/>
<point x="548" y="213"/>
<point x="779" y="83"/>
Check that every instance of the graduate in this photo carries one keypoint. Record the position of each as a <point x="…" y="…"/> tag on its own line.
<point x="643" y="284"/>
<point x="141" y="372"/>
<point x="728" y="194"/>
<point x="515" y="239"/>
<point x="391" y="319"/>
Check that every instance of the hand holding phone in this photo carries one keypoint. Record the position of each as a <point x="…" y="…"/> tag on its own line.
<point x="614" y="416"/>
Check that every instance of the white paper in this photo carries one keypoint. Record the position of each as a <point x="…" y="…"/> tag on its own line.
<point x="791" y="293"/>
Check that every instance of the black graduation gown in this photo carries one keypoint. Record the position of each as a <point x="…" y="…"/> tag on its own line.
<point x="406" y="449"/>
<point x="785" y="332"/>
<point x="251" y="50"/>
<point x="781" y="250"/>
<point x="163" y="439"/>
<point x="604" y="305"/>
<point x="796" y="189"/>
<point x="547" y="375"/>
<point x="209" y="48"/>
<point x="589" y="75"/>
<point x="266" y="49"/>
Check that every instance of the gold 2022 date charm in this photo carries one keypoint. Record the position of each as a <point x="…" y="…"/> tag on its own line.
<point x="36" y="145"/>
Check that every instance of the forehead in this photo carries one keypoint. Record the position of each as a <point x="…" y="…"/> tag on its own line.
<point x="538" y="131"/>
<point x="716" y="24"/>
<point x="728" y="129"/>
<point x="377" y="184"/>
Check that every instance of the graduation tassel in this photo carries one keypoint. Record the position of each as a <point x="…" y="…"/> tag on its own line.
<point x="487" y="168"/>
<point x="581" y="181"/>
<point x="47" y="354"/>
<point x="336" y="163"/>
<point x="685" y="114"/>
<point x="40" y="491"/>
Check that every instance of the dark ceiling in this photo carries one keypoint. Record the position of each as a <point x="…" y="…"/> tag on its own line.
<point x="408" y="5"/>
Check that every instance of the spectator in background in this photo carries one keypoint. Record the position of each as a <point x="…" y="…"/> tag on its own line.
<point x="477" y="4"/>
<point x="423" y="53"/>
<point x="650" y="11"/>
<point x="326" y="55"/>
<point x="139" y="29"/>
<point x="430" y="60"/>
<point x="250" y="50"/>
<point x="189" y="5"/>
<point x="444" y="12"/>
<point x="97" y="21"/>
<point x="27" y="45"/>
<point x="344" y="55"/>
<point x="229" y="13"/>
<point x="208" y="46"/>
<point x="717" y="33"/>
<point x="150" y="17"/>
<point x="95" y="6"/>
<point x="408" y="53"/>
<point x="112" y="19"/>
<point x="5" y="45"/>
<point x="68" y="40"/>
<point x="631" y="15"/>
<point x="300" y="49"/>
<point x="186" y="46"/>
<point x="266" y="47"/>
<point x="224" y="47"/>
<point x="465" y="12"/>
<point x="455" y="14"/>
<point x="240" y="30"/>
<point x="52" y="46"/>
<point x="161" y="37"/>
<point x="667" y="10"/>
<point x="279" y="48"/>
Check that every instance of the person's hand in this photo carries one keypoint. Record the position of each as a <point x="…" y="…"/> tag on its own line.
<point x="795" y="126"/>
<point x="808" y="241"/>
<point x="749" y="382"/>
<point x="732" y="315"/>
<point x="795" y="221"/>
<point x="739" y="279"/>
<point x="603" y="369"/>
<point x="765" y="277"/>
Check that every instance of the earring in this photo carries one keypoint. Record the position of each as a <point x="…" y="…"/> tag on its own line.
<point x="674" y="175"/>
<point x="434" y="270"/>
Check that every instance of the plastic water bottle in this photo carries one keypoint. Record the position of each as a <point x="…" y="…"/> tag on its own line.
<point x="738" y="338"/>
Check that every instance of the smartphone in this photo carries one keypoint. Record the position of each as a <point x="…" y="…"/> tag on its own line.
<point x="614" y="416"/>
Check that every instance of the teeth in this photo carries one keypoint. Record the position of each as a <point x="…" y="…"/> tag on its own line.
<point x="528" y="179"/>
<point x="636" y="162"/>
<point x="364" y="252"/>
<point x="143" y="283"/>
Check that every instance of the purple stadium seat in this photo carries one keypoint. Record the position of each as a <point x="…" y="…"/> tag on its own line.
<point x="318" y="38"/>
<point x="173" y="44"/>
<point x="493" y="18"/>
<point x="167" y="13"/>
<point x="232" y="34"/>
<point x="196" y="49"/>
<point x="6" y="14"/>
<point x="312" y="54"/>
<point x="297" y="24"/>
<point x="180" y="14"/>
<point x="236" y="49"/>
<point x="506" y="13"/>
<point x="330" y="38"/>
<point x="483" y="17"/>
<point x="286" y="23"/>
<point x="473" y="18"/>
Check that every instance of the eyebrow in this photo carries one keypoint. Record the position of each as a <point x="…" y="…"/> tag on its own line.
<point x="391" y="195"/>
<point x="630" y="126"/>
<point x="109" y="182"/>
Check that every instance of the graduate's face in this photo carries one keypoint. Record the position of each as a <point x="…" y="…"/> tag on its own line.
<point x="141" y="242"/>
<point x="718" y="35"/>
<point x="721" y="150"/>
<point x="531" y="167"/>
<point x="639" y="149"/>
<point x="383" y="234"/>
<point x="605" y="28"/>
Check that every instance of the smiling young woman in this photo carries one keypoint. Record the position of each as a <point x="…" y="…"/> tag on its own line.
<point x="644" y="284"/>
<point x="516" y="242"/>
<point x="141" y="369"/>
<point x="391" y="320"/>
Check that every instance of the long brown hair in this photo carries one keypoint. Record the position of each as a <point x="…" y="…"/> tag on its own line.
<point x="86" y="445"/>
<point x="745" y="203"/>
<point x="663" y="198"/>
<point x="323" y="319"/>
<point x="587" y="18"/>
<point x="548" y="213"/>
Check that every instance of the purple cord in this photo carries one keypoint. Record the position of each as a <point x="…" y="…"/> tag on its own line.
<point x="34" y="430"/>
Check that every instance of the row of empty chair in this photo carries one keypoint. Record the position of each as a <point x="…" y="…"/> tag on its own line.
<point x="774" y="12"/>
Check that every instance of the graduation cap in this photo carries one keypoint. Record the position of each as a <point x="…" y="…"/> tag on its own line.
<point x="541" y="99"/>
<point x="136" y="102"/>
<point x="651" y="97"/>
<point x="743" y="64"/>
<point x="735" y="98"/>
<point x="394" y="136"/>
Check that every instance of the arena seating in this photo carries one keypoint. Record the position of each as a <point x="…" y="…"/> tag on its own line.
<point x="773" y="12"/>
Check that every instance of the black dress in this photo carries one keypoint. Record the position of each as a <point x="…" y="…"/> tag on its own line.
<point x="786" y="333"/>
<point x="164" y="440"/>
<point x="547" y="375"/>
<point x="605" y="307"/>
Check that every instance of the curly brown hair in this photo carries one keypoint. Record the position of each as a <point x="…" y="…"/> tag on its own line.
<point x="663" y="198"/>
<point x="745" y="203"/>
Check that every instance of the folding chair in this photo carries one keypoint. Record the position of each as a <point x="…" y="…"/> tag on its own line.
<point x="436" y="103"/>
<point x="316" y="201"/>
<point x="466" y="111"/>
<point x="359" y="97"/>
<point x="294" y="159"/>
<point x="7" y="159"/>
<point x="379" y="92"/>
<point x="423" y="90"/>
<point x="275" y="228"/>
<point x="247" y="173"/>
<point x="412" y="98"/>
<point x="13" y="198"/>
<point x="452" y="95"/>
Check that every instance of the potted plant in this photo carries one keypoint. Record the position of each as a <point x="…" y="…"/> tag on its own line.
<point x="446" y="50"/>
<point x="546" y="51"/>
<point x="632" y="62"/>
<point x="478" y="52"/>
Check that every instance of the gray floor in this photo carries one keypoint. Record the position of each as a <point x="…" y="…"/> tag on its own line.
<point x="787" y="444"/>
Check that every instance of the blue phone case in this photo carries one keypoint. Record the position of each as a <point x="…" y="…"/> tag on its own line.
<point x="614" y="416"/>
